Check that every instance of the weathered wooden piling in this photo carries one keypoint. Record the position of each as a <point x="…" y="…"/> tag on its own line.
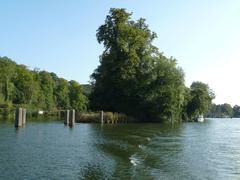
<point x="67" y="116"/>
<point x="72" y="118"/>
<point x="102" y="122"/>
<point x="18" y="119"/>
<point x="24" y="113"/>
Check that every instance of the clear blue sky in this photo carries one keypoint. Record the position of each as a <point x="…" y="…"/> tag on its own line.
<point x="59" y="36"/>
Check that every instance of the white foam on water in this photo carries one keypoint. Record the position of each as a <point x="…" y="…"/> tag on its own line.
<point x="148" y="139"/>
<point x="134" y="161"/>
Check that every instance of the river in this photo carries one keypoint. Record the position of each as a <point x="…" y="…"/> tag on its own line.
<point x="50" y="150"/>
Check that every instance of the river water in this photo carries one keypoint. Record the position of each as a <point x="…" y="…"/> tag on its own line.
<point x="50" y="150"/>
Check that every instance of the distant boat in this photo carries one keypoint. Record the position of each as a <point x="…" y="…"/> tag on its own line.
<point x="200" y="118"/>
<point x="40" y="112"/>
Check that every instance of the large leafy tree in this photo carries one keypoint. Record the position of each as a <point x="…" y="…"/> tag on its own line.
<point x="78" y="101"/>
<point x="133" y="77"/>
<point x="62" y="93"/>
<point x="47" y="90"/>
<point x="236" y="111"/>
<point x="227" y="110"/>
<point x="201" y="97"/>
<point x="7" y="73"/>
<point x="24" y="85"/>
<point x="165" y="93"/>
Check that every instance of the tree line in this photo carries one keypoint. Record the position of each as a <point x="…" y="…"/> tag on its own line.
<point x="38" y="90"/>
<point x="223" y="111"/>
<point x="133" y="78"/>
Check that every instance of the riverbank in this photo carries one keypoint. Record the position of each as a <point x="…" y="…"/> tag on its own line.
<point x="81" y="117"/>
<point x="108" y="117"/>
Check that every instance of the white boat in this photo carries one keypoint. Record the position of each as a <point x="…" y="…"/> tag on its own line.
<point x="200" y="118"/>
<point x="40" y="112"/>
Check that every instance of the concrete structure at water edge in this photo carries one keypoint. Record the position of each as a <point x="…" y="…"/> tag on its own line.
<point x="67" y="115"/>
<point x="70" y="117"/>
<point x="24" y="114"/>
<point x="20" y="119"/>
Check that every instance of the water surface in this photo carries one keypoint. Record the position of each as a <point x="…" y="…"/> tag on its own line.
<point x="50" y="150"/>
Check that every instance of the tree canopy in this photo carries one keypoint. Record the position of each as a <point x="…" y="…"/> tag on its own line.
<point x="200" y="99"/>
<point x="134" y="77"/>
<point x="223" y="111"/>
<point x="38" y="89"/>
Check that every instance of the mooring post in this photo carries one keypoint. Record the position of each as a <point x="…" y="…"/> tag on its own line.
<point x="18" y="120"/>
<point x="67" y="115"/>
<point x="72" y="118"/>
<point x="24" y="112"/>
<point x="102" y="122"/>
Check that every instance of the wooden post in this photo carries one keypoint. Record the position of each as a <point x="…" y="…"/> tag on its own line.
<point x="102" y="122"/>
<point x="18" y="120"/>
<point x="66" y="121"/>
<point x="72" y="118"/>
<point x="24" y="112"/>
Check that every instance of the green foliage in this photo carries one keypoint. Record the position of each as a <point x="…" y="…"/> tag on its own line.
<point x="6" y="109"/>
<point x="223" y="111"/>
<point x="200" y="99"/>
<point x="236" y="111"/>
<point x="227" y="109"/>
<point x="47" y="87"/>
<point x="77" y="100"/>
<point x="7" y="69"/>
<point x="62" y="94"/>
<point x="23" y="83"/>
<point x="134" y="77"/>
<point x="87" y="89"/>
<point x="37" y="89"/>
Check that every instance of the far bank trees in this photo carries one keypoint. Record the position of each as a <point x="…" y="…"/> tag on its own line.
<point x="224" y="111"/>
<point x="199" y="99"/>
<point x="37" y="90"/>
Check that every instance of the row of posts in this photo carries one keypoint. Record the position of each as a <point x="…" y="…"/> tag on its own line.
<point x="20" y="119"/>
<point x="70" y="117"/>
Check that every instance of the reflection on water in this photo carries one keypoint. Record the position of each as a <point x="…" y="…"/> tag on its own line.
<point x="91" y="171"/>
<point x="50" y="150"/>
